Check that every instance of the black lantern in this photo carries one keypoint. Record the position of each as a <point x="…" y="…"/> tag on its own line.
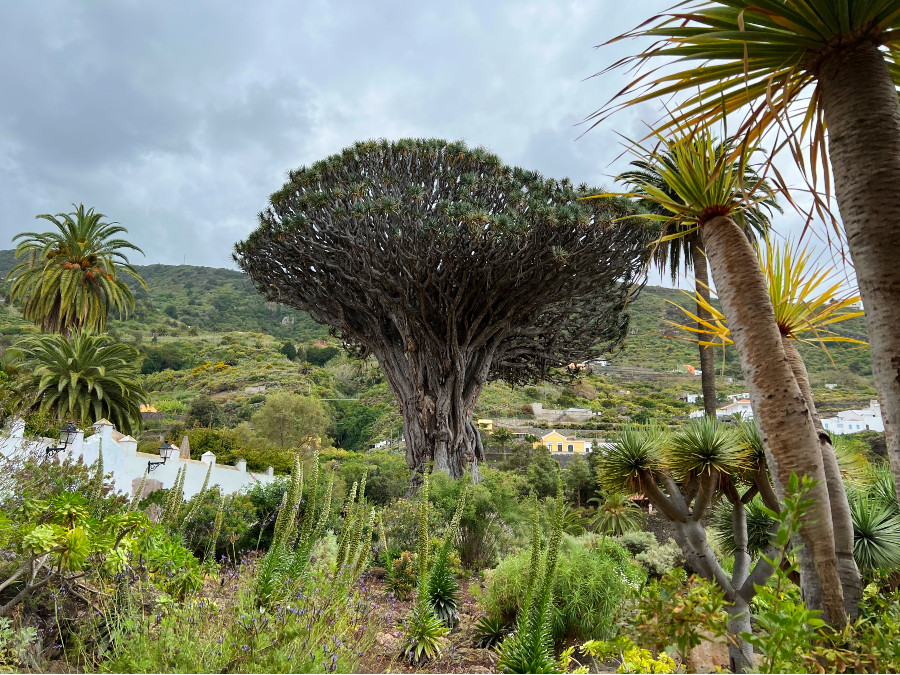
<point x="66" y="437"/>
<point x="165" y="451"/>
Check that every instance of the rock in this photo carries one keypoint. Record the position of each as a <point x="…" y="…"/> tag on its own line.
<point x="707" y="657"/>
<point x="388" y="641"/>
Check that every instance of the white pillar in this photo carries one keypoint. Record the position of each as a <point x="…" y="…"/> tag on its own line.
<point x="208" y="457"/>
<point x="241" y="464"/>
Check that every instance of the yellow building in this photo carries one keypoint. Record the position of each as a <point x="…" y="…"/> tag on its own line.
<point x="556" y="442"/>
<point x="485" y="425"/>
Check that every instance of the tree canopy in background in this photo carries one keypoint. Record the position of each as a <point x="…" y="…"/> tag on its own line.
<point x="291" y="421"/>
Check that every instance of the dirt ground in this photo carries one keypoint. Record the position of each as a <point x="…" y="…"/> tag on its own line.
<point x="460" y="654"/>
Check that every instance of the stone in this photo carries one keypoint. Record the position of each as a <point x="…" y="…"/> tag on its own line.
<point x="707" y="657"/>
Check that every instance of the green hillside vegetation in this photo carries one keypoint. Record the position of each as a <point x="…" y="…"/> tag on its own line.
<point x="205" y="331"/>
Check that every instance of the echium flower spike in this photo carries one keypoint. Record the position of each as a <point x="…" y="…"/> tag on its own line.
<point x="535" y="560"/>
<point x="138" y="495"/>
<point x="195" y="501"/>
<point x="346" y="530"/>
<point x="217" y="525"/>
<point x="422" y="548"/>
<point x="325" y="511"/>
<point x="97" y="483"/>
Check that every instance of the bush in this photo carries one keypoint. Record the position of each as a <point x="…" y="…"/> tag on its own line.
<point x="205" y="412"/>
<point x="656" y="559"/>
<point x="493" y="520"/>
<point x="588" y="593"/>
<point x="388" y="475"/>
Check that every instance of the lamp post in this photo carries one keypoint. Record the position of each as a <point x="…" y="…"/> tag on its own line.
<point x="165" y="451"/>
<point x="66" y="437"/>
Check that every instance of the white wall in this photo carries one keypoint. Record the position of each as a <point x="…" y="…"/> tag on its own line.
<point x="126" y="464"/>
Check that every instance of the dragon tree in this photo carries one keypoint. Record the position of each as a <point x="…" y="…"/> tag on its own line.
<point x="452" y="269"/>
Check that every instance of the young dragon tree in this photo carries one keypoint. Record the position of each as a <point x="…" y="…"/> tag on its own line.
<point x="807" y="303"/>
<point x="682" y="476"/>
<point x="451" y="269"/>
<point x="708" y="182"/>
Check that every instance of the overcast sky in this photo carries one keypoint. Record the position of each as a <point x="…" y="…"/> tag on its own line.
<point x="178" y="119"/>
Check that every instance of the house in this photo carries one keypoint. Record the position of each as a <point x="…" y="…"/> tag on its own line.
<point x="556" y="442"/>
<point x="689" y="398"/>
<point x="740" y="407"/>
<point x="852" y="421"/>
<point x="485" y="425"/>
<point x="738" y="397"/>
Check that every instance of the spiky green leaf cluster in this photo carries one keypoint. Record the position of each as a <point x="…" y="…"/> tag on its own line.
<point x="85" y="378"/>
<point x="703" y="446"/>
<point x="635" y="453"/>
<point x="443" y="588"/>
<point x="287" y="560"/>
<point x="530" y="648"/>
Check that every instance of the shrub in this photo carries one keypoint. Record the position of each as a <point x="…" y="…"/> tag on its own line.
<point x="656" y="559"/>
<point x="588" y="592"/>
<point x="205" y="412"/>
<point x="402" y="578"/>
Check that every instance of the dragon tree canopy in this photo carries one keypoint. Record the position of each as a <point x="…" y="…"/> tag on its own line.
<point x="452" y="269"/>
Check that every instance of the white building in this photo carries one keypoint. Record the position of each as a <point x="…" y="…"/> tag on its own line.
<point x="740" y="406"/>
<point x="852" y="421"/>
<point x="128" y="466"/>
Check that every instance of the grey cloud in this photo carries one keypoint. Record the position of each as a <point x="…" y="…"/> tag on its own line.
<point x="178" y="119"/>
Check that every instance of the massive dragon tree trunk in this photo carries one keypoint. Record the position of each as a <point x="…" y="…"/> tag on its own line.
<point x="437" y="387"/>
<point x="862" y="112"/>
<point x="781" y="411"/>
<point x="707" y="365"/>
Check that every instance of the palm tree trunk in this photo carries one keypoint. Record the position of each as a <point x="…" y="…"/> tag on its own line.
<point x="780" y="409"/>
<point x="841" y="518"/>
<point x="863" y="117"/>
<point x="707" y="365"/>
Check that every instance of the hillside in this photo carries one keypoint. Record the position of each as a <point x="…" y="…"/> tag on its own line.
<point x="204" y="330"/>
<point x="183" y="300"/>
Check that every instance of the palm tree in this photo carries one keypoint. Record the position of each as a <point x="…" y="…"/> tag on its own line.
<point x="502" y="435"/>
<point x="85" y="378"/>
<point x="688" y="250"/>
<point x="807" y="303"/>
<point x="799" y="67"/>
<point x="616" y="515"/>
<point x="710" y="193"/>
<point x="68" y="279"/>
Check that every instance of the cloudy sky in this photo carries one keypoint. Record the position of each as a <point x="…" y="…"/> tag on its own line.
<point x="178" y="119"/>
